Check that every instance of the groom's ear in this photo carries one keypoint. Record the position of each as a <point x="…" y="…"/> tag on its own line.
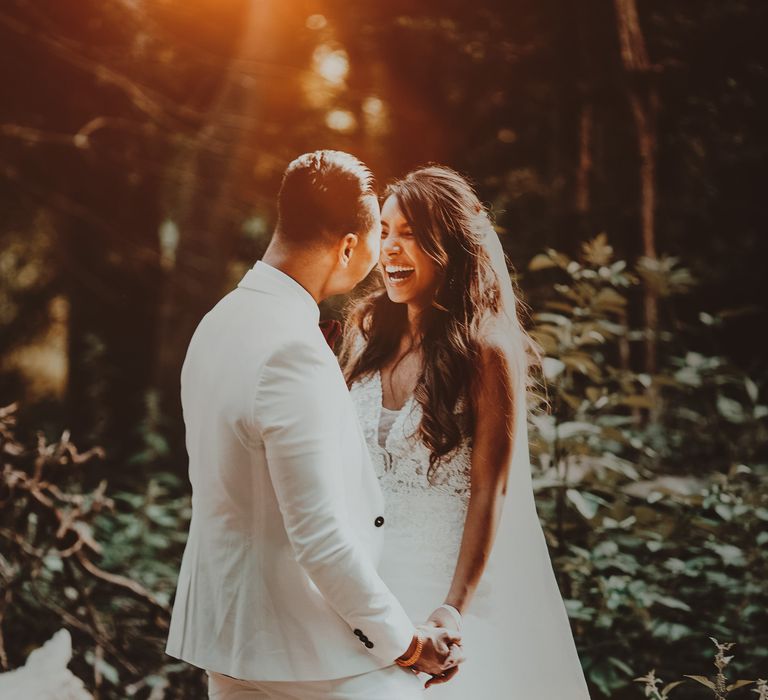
<point x="347" y="246"/>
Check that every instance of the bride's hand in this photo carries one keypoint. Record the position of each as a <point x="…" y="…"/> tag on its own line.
<point x="443" y="618"/>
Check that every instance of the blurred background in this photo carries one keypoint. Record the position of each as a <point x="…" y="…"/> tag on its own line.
<point x="621" y="147"/>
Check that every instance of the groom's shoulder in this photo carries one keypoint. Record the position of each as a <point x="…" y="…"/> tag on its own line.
<point x="267" y="324"/>
<point x="248" y="312"/>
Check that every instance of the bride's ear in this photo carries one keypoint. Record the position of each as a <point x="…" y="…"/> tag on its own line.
<point x="347" y="247"/>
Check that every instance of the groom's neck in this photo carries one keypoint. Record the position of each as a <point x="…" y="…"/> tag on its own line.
<point x="303" y="266"/>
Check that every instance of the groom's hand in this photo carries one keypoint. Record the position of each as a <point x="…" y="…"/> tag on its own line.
<point x="446" y="675"/>
<point x="441" y="652"/>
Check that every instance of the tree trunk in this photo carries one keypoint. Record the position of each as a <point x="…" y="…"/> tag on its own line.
<point x="583" y="194"/>
<point x="643" y="100"/>
<point x="644" y="112"/>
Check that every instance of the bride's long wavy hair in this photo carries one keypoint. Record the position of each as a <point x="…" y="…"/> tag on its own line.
<point x="450" y="225"/>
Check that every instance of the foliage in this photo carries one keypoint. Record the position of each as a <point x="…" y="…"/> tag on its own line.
<point x="719" y="686"/>
<point x="654" y="490"/>
<point x="103" y="566"/>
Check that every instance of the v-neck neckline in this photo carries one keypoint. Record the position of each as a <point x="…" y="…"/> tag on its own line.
<point x="381" y="395"/>
<point x="400" y="417"/>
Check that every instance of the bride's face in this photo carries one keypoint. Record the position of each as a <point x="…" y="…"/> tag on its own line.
<point x="410" y="275"/>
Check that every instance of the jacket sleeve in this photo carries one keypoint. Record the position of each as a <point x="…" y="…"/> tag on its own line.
<point x="296" y="415"/>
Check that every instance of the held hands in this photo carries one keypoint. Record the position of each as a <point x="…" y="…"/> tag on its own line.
<point x="440" y="655"/>
<point x="445" y="620"/>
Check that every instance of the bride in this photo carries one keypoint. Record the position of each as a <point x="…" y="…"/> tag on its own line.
<point x="438" y="367"/>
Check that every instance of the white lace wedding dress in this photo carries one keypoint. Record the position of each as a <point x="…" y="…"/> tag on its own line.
<point x="517" y="636"/>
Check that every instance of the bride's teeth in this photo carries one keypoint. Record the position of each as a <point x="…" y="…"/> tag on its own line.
<point x="398" y="274"/>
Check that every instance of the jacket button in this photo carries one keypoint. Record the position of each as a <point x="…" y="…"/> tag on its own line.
<point x="358" y="633"/>
<point x="369" y="645"/>
<point x="379" y="521"/>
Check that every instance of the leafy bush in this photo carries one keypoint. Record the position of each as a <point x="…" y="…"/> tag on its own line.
<point x="720" y="686"/>
<point x="104" y="567"/>
<point x="653" y="490"/>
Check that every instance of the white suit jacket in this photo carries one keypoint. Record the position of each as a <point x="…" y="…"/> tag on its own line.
<point x="278" y="579"/>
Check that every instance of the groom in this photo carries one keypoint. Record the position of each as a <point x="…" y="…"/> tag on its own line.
<point x="278" y="594"/>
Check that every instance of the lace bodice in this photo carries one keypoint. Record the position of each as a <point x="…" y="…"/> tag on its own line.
<point x="403" y="461"/>
<point x="516" y="626"/>
<point x="424" y="520"/>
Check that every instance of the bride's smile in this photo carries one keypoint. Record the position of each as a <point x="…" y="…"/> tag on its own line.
<point x="410" y="274"/>
<point x="398" y="274"/>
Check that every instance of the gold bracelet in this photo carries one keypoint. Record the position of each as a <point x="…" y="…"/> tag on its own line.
<point x="415" y="656"/>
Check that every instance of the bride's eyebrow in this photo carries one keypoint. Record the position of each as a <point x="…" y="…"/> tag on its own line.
<point x="404" y="225"/>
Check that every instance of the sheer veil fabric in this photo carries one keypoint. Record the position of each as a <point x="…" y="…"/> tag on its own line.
<point x="528" y="619"/>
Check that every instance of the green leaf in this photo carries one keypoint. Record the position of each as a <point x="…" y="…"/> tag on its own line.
<point x="597" y="251"/>
<point x="738" y="684"/>
<point x="552" y="368"/>
<point x="53" y="562"/>
<point x="555" y="319"/>
<point x="541" y="262"/>
<point x="108" y="671"/>
<point x="762" y="513"/>
<point x="671" y="631"/>
<point x="573" y="429"/>
<point x="609" y="300"/>
<point x="671" y="602"/>
<point x="637" y="401"/>
<point x="607" y="548"/>
<point x="724" y="511"/>
<point x="605" y="676"/>
<point x="583" y="363"/>
<point x="620" y="665"/>
<point x="729" y="409"/>
<point x="730" y="554"/>
<point x="703" y="680"/>
<point x="689" y="376"/>
<point x="587" y="507"/>
<point x="560" y="306"/>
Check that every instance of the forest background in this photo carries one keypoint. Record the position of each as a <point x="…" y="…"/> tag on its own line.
<point x="621" y="148"/>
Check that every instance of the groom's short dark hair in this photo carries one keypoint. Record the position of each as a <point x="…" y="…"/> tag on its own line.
<point x="322" y="194"/>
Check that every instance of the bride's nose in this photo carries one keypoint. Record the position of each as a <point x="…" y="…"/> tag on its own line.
<point x="390" y="248"/>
